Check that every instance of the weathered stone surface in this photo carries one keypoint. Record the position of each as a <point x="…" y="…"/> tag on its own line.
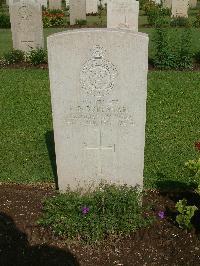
<point x="26" y="24"/>
<point x="167" y="4"/>
<point x="91" y="6"/>
<point x="192" y="3"/>
<point x="180" y="8"/>
<point x="98" y="85"/>
<point x="123" y="14"/>
<point x="43" y="2"/>
<point x="77" y="10"/>
<point x="55" y="4"/>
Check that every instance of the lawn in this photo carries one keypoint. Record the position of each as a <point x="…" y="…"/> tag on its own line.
<point x="6" y="38"/>
<point x="26" y="126"/>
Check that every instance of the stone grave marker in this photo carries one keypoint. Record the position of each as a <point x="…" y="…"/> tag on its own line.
<point x="43" y="2"/>
<point x="55" y="4"/>
<point x="180" y="8"/>
<point x="77" y="10"/>
<point x="123" y="14"/>
<point x="167" y="4"/>
<point x="192" y="3"/>
<point x="91" y="6"/>
<point x="26" y="24"/>
<point x="98" y="80"/>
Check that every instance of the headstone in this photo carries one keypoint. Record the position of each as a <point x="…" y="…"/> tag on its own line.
<point x="167" y="4"/>
<point x="102" y="2"/>
<point x="77" y="10"/>
<point x="26" y="24"/>
<point x="98" y="85"/>
<point x="123" y="14"/>
<point x="67" y="3"/>
<point x="43" y="3"/>
<point x="91" y="6"/>
<point x="180" y="8"/>
<point x="193" y="3"/>
<point x="55" y="4"/>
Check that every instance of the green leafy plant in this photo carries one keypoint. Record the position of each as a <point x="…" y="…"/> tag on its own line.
<point x="179" y="22"/>
<point x="185" y="215"/>
<point x="4" y="21"/>
<point x="53" y="18"/>
<point x="14" y="56"/>
<point x="197" y="57"/>
<point x="80" y="22"/>
<point x="38" y="56"/>
<point x="194" y="166"/>
<point x="173" y="51"/>
<point x="196" y="22"/>
<point x="90" y="217"/>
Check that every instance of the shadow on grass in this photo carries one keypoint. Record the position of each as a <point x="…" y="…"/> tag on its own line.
<point x="15" y="249"/>
<point x="49" y="138"/>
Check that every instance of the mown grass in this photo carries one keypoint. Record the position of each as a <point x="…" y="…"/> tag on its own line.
<point x="6" y="38"/>
<point x="26" y="126"/>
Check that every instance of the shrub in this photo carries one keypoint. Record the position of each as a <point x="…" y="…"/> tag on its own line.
<point x="37" y="56"/>
<point x="180" y="22"/>
<point x="14" y="56"/>
<point x="52" y="18"/>
<point x="197" y="20"/>
<point x="172" y="51"/>
<point x="109" y="210"/>
<point x="185" y="214"/>
<point x="197" y="57"/>
<point x="4" y="21"/>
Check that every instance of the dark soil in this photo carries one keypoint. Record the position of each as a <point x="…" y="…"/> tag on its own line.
<point x="23" y="242"/>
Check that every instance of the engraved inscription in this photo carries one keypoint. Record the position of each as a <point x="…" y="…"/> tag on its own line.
<point x="25" y="18"/>
<point x="99" y="114"/>
<point x="98" y="74"/>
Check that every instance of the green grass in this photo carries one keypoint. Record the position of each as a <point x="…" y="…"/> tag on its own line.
<point x="26" y="125"/>
<point x="6" y="38"/>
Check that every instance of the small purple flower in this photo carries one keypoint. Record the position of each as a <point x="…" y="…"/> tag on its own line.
<point x="85" y="210"/>
<point x="161" y="214"/>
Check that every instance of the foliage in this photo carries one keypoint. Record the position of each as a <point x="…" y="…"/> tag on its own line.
<point x="194" y="166"/>
<point x="38" y="56"/>
<point x="197" y="20"/>
<point x="109" y="210"/>
<point x="80" y="22"/>
<point x="4" y="21"/>
<point x="197" y="57"/>
<point x="185" y="214"/>
<point x="173" y="52"/>
<point x="14" y="56"/>
<point x="180" y="22"/>
<point x="53" y="18"/>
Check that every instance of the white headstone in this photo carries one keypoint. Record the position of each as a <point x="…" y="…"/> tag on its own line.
<point x="77" y="10"/>
<point x="180" y="8"/>
<point x="26" y="24"/>
<point x="193" y="3"/>
<point x="55" y="4"/>
<point x="98" y="85"/>
<point x="91" y="6"/>
<point x="67" y="3"/>
<point x="102" y="2"/>
<point x="43" y="2"/>
<point x="123" y="14"/>
<point x="167" y="4"/>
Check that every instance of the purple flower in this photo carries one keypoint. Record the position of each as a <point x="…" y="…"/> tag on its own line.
<point x="161" y="214"/>
<point x="85" y="210"/>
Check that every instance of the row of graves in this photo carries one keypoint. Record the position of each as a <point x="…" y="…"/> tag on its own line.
<point x="98" y="81"/>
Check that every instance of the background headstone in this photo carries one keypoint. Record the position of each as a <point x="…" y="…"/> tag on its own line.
<point x="192" y="3"/>
<point x="103" y="2"/>
<point x="77" y="10"/>
<point x="26" y="25"/>
<point x="91" y="6"/>
<point x="98" y="85"/>
<point x="43" y="2"/>
<point x="180" y="8"/>
<point x="167" y="4"/>
<point x="55" y="4"/>
<point x="123" y="14"/>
